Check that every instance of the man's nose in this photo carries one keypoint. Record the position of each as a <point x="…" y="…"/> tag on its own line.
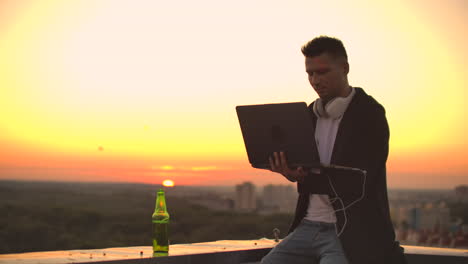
<point x="314" y="79"/>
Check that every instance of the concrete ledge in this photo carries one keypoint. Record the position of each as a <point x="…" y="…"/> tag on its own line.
<point x="414" y="255"/>
<point x="225" y="252"/>
<point x="432" y="255"/>
<point x="135" y="254"/>
<point x="250" y="256"/>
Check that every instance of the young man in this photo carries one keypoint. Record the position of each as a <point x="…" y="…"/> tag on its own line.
<point x="342" y="216"/>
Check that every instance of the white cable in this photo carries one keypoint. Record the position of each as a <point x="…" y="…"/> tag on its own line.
<point x="345" y="220"/>
<point x="343" y="207"/>
<point x="358" y="199"/>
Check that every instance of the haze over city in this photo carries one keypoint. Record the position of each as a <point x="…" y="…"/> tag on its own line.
<point x="145" y="91"/>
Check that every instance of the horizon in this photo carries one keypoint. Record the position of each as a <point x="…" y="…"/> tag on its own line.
<point x="201" y="186"/>
<point x="146" y="91"/>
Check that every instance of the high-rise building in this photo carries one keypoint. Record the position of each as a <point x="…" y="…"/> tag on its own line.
<point x="246" y="199"/>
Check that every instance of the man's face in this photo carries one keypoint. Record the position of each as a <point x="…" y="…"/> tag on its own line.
<point x="327" y="75"/>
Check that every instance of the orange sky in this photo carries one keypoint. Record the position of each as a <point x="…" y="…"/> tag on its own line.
<point x="144" y="91"/>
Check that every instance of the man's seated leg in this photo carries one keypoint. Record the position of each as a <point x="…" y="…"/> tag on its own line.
<point x="307" y="244"/>
<point x="330" y="248"/>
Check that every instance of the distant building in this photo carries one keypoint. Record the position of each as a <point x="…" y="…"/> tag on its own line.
<point x="399" y="215"/>
<point x="278" y="198"/>
<point x="429" y="217"/>
<point x="461" y="193"/>
<point x="435" y="216"/>
<point x="246" y="199"/>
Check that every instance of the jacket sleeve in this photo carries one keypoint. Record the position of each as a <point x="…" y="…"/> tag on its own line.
<point x="334" y="182"/>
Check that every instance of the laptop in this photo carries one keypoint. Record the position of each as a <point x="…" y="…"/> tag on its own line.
<point x="286" y="127"/>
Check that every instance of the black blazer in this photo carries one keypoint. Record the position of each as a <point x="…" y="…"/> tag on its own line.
<point x="361" y="142"/>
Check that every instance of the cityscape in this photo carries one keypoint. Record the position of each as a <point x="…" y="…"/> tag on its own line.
<point x="71" y="215"/>
<point x="435" y="218"/>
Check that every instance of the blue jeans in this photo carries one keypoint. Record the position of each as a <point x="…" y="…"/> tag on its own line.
<point x="311" y="243"/>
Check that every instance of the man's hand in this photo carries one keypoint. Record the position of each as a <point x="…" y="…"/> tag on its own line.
<point x="279" y="164"/>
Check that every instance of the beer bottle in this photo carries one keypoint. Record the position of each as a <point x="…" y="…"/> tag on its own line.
<point x="160" y="221"/>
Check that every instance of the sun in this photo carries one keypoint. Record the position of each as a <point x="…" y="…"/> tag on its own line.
<point x="168" y="183"/>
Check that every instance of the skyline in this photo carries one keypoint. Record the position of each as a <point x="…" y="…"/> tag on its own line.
<point x="146" y="91"/>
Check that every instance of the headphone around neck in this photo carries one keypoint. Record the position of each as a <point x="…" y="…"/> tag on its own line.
<point x="333" y="109"/>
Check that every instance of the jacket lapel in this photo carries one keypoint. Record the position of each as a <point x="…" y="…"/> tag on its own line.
<point x="314" y="122"/>
<point x="346" y="125"/>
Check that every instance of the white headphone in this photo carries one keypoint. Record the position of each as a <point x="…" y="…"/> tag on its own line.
<point x="334" y="109"/>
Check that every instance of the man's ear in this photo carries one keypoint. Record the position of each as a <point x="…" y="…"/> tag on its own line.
<point x="346" y="67"/>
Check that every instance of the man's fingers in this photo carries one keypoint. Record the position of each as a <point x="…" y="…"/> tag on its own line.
<point x="277" y="160"/>
<point x="301" y="170"/>
<point x="278" y="163"/>
<point x="283" y="157"/>
<point x="300" y="174"/>
<point x="272" y="164"/>
<point x="284" y="163"/>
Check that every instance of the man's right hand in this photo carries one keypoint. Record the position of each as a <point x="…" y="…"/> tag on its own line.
<point x="279" y="164"/>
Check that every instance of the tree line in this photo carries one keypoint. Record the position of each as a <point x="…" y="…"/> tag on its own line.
<point x="61" y="216"/>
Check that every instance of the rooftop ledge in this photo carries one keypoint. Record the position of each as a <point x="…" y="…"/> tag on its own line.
<point x="223" y="251"/>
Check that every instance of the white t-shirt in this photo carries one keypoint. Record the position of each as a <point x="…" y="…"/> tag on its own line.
<point x="320" y="209"/>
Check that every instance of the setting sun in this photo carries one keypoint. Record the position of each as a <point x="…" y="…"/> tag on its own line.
<point x="168" y="183"/>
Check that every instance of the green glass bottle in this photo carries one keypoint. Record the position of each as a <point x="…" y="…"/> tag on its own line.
<point x="160" y="221"/>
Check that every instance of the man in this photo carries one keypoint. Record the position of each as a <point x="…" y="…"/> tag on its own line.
<point x="342" y="215"/>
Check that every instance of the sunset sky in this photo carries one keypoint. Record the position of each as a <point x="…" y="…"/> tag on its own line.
<point x="144" y="91"/>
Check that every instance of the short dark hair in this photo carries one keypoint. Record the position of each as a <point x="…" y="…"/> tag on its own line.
<point x="324" y="44"/>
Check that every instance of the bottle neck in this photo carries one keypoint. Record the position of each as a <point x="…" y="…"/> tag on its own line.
<point x="160" y="202"/>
